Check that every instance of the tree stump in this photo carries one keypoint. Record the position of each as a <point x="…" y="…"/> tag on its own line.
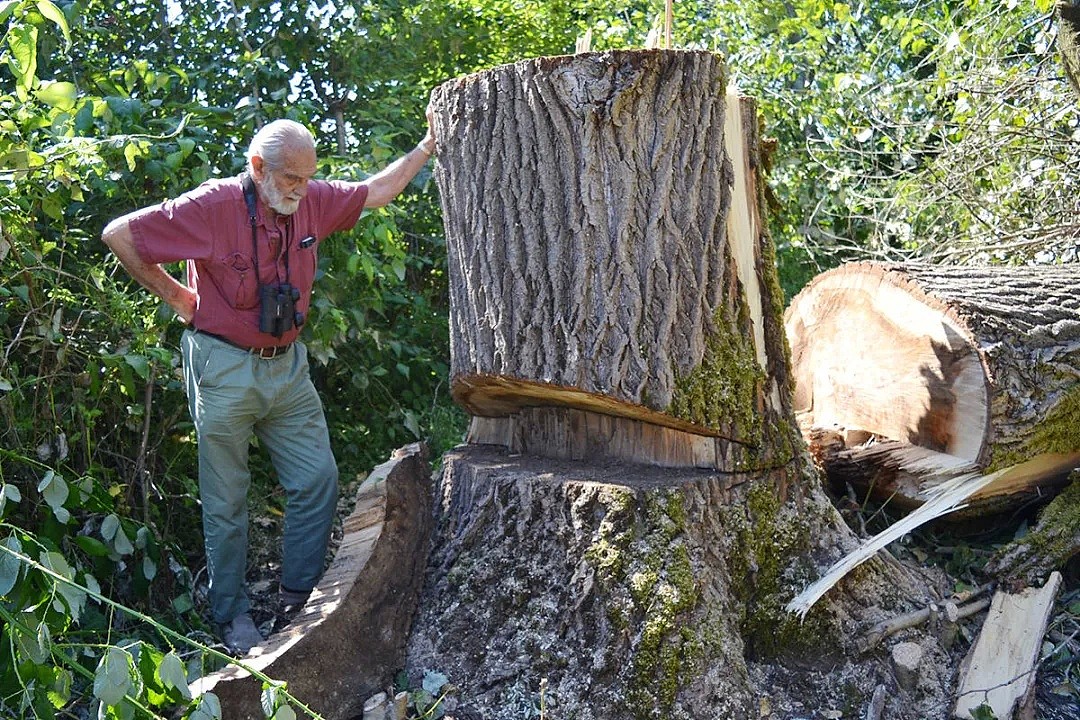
<point x="614" y="309"/>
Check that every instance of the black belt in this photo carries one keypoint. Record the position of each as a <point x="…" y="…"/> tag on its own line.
<point x="264" y="352"/>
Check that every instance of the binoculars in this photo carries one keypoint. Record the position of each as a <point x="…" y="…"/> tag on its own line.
<point x="277" y="309"/>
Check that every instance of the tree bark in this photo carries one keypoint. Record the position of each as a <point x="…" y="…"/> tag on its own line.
<point x="1068" y="40"/>
<point x="609" y="315"/>
<point x="979" y="364"/>
<point x="586" y="204"/>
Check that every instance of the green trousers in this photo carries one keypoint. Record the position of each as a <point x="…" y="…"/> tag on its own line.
<point x="234" y="395"/>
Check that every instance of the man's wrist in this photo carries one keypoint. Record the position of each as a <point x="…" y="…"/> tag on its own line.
<point x="426" y="146"/>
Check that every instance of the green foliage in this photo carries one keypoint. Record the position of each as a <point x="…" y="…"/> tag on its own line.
<point x="944" y="132"/>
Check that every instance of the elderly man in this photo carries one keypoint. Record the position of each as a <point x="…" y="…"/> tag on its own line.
<point x="250" y="243"/>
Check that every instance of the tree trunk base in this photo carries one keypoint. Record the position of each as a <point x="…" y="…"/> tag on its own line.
<point x="613" y="590"/>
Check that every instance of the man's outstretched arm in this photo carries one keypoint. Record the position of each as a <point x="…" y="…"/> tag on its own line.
<point x="388" y="183"/>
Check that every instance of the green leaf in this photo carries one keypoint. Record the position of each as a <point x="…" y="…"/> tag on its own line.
<point x="412" y="424"/>
<point x="92" y="546"/>
<point x="53" y="489"/>
<point x="51" y="12"/>
<point x="74" y="596"/>
<point x="109" y="526"/>
<point x="209" y="708"/>
<point x="60" y="95"/>
<point x="34" y="645"/>
<point x="138" y="363"/>
<point x="182" y="603"/>
<point x="132" y="153"/>
<point x="8" y="492"/>
<point x="270" y="697"/>
<point x="121" y="543"/>
<point x="22" y="41"/>
<point x="149" y="569"/>
<point x="10" y="565"/>
<point x="112" y="680"/>
<point x="433" y="682"/>
<point x="173" y="675"/>
<point x="284" y="713"/>
<point x="59" y="693"/>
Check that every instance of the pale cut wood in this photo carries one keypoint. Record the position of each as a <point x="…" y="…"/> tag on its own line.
<point x="905" y="373"/>
<point x="1000" y="670"/>
<point x="942" y="499"/>
<point x="969" y="361"/>
<point x="571" y="434"/>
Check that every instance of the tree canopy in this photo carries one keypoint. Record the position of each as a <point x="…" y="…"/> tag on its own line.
<point x="932" y="129"/>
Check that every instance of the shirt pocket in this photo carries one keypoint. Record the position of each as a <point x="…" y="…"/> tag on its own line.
<point x="239" y="283"/>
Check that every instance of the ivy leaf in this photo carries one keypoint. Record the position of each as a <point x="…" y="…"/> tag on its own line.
<point x="112" y="680"/>
<point x="10" y="565"/>
<point x="173" y="676"/>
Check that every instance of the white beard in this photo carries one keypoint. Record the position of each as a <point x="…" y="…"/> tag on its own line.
<point x="277" y="200"/>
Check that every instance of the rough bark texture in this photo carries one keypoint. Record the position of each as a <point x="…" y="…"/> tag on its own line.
<point x="1068" y="39"/>
<point x="636" y="592"/>
<point x="585" y="201"/>
<point x="349" y="639"/>
<point x="1053" y="542"/>
<point x="979" y="362"/>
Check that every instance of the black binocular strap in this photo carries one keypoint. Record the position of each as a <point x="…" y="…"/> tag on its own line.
<point x="250" y="200"/>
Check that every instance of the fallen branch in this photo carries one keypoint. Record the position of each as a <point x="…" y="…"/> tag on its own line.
<point x="894" y="625"/>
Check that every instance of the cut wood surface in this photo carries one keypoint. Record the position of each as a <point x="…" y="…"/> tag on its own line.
<point x="1000" y="669"/>
<point x="348" y="640"/>
<point x="980" y="365"/>
<point x="596" y="256"/>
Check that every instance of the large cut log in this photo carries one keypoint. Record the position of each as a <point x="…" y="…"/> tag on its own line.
<point x="587" y="219"/>
<point x="962" y="369"/>
<point x="608" y="316"/>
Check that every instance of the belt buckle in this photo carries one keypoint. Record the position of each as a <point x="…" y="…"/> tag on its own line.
<point x="267" y="353"/>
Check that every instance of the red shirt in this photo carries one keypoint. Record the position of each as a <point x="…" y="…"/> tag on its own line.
<point x="209" y="228"/>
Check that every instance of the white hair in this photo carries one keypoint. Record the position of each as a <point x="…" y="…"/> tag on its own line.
<point x="273" y="140"/>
